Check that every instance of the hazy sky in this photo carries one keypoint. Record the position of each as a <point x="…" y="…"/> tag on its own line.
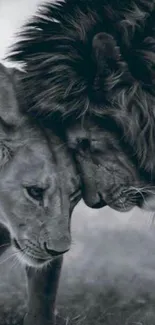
<point x="12" y="15"/>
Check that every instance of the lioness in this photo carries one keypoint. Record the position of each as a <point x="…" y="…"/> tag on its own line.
<point x="39" y="187"/>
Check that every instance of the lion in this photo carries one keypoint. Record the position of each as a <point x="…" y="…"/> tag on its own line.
<point x="95" y="58"/>
<point x="39" y="189"/>
<point x="109" y="172"/>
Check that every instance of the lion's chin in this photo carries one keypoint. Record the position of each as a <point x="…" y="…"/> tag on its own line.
<point x="148" y="204"/>
<point x="122" y="209"/>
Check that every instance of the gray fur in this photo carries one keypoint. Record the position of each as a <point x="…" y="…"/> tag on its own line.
<point x="39" y="226"/>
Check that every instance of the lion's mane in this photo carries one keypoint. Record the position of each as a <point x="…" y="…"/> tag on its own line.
<point x="94" y="56"/>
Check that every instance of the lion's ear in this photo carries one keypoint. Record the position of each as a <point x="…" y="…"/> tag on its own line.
<point x="111" y="69"/>
<point x="105" y="49"/>
<point x="9" y="109"/>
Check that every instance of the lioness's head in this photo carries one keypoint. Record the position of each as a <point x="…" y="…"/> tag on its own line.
<point x="109" y="174"/>
<point x="39" y="186"/>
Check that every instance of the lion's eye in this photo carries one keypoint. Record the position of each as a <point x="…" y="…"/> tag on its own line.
<point x="35" y="192"/>
<point x="83" y="145"/>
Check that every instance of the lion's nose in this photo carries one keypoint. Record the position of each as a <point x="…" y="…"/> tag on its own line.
<point x="100" y="204"/>
<point x="53" y="252"/>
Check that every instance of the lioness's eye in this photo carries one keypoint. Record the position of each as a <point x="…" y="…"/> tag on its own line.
<point x="35" y="192"/>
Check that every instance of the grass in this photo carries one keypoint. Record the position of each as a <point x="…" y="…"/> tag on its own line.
<point x="106" y="308"/>
<point x="110" y="280"/>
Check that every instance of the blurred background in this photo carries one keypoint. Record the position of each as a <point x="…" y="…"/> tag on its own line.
<point x="109" y="275"/>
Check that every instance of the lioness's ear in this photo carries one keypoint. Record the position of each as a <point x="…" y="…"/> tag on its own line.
<point x="9" y="109"/>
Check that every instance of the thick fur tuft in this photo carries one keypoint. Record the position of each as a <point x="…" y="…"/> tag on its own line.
<point x="98" y="57"/>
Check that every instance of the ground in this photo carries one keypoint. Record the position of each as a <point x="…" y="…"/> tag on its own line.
<point x="108" y="278"/>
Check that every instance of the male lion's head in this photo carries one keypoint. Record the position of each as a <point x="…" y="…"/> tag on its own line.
<point x="109" y="172"/>
<point x="39" y="186"/>
<point x="98" y="58"/>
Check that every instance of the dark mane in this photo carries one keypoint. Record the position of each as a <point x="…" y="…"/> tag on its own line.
<point x="94" y="56"/>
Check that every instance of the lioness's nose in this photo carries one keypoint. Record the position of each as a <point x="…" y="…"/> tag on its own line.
<point x="53" y="252"/>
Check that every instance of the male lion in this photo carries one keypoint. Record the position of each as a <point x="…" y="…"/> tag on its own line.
<point x="39" y="188"/>
<point x="96" y="58"/>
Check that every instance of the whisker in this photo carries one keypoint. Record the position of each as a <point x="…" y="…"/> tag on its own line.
<point x="144" y="189"/>
<point x="144" y="199"/>
<point x="5" y="245"/>
<point x="152" y="220"/>
<point x="141" y="192"/>
<point x="8" y="257"/>
<point x="122" y="203"/>
<point x="16" y="262"/>
<point x="149" y="191"/>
